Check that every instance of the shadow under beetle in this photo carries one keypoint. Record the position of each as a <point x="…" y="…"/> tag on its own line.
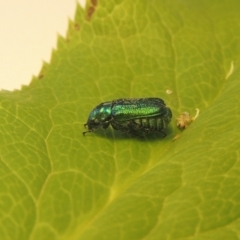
<point x="134" y="116"/>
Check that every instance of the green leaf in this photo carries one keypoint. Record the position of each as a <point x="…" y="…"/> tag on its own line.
<point x="58" y="184"/>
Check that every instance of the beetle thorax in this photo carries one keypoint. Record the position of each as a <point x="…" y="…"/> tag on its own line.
<point x="100" y="116"/>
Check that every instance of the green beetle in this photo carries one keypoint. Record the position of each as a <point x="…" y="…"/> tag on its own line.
<point x="134" y="116"/>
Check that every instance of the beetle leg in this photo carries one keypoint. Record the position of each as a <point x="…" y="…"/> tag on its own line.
<point x="164" y="134"/>
<point x="135" y="134"/>
<point x="87" y="132"/>
<point x="106" y="125"/>
<point x="115" y="126"/>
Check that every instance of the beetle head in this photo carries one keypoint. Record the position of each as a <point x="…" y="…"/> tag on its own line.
<point x="100" y="116"/>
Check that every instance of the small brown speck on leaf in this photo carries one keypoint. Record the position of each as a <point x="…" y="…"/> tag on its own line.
<point x="76" y="26"/>
<point x="94" y="2"/>
<point x="40" y="76"/>
<point x="90" y="12"/>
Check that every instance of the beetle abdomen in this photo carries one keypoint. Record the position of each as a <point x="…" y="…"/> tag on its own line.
<point x="149" y="124"/>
